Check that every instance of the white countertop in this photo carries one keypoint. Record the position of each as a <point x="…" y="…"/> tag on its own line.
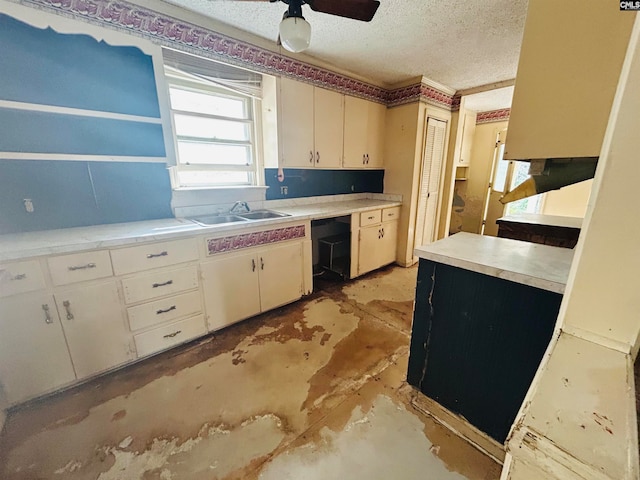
<point x="539" y="219"/>
<point x="30" y="244"/>
<point x="540" y="266"/>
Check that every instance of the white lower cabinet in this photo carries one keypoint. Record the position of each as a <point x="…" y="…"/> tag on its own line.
<point x="34" y="358"/>
<point x="168" y="335"/>
<point x="377" y="243"/>
<point x="239" y="285"/>
<point x="95" y="328"/>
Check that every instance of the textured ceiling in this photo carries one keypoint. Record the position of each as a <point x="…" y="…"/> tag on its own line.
<point x="490" y="100"/>
<point x="460" y="44"/>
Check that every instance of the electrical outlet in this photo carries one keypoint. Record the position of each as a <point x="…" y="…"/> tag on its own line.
<point x="28" y="205"/>
<point x="284" y="190"/>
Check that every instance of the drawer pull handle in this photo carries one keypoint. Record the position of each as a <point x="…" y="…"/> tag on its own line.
<point x="67" y="307"/>
<point x="383" y="233"/>
<point x="370" y="218"/>
<point x="379" y="234"/>
<point x="261" y="263"/>
<point x="166" y="310"/>
<point x="19" y="276"/>
<point x="47" y="315"/>
<point x="168" y="282"/>
<point x="171" y="335"/>
<point x="310" y="156"/>
<point x="82" y="267"/>
<point x="317" y="157"/>
<point x="253" y="264"/>
<point x="156" y="255"/>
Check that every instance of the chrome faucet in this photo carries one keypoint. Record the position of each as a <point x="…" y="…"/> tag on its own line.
<point x="238" y="205"/>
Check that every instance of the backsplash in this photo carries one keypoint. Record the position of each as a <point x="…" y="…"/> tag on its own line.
<point x="75" y="193"/>
<point x="315" y="182"/>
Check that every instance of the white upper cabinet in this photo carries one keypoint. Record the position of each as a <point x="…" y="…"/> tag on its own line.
<point x="328" y="127"/>
<point x="468" y="131"/>
<point x="311" y="125"/>
<point x="570" y="62"/>
<point x="363" y="133"/>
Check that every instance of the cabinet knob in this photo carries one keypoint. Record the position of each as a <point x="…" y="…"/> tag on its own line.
<point x="47" y="315"/>
<point x="67" y="306"/>
<point x="156" y="255"/>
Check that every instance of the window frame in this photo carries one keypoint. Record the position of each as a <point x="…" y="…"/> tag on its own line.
<point x="252" y="108"/>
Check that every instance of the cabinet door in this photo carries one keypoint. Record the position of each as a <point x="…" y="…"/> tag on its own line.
<point x="375" y="135"/>
<point x="328" y="128"/>
<point x="370" y="252"/>
<point x="95" y="328"/>
<point x="231" y="289"/>
<point x="468" y="131"/>
<point x="280" y="275"/>
<point x="296" y="123"/>
<point x="356" y="111"/>
<point x="34" y="358"/>
<point x="389" y="243"/>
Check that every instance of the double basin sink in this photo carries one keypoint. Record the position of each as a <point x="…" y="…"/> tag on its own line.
<point x="209" y="220"/>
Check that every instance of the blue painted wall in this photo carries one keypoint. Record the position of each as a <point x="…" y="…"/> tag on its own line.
<point x="316" y="182"/>
<point x="41" y="66"/>
<point x="45" y="67"/>
<point x="75" y="194"/>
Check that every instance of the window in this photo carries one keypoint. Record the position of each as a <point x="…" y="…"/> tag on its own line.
<point x="213" y="110"/>
<point x="526" y="205"/>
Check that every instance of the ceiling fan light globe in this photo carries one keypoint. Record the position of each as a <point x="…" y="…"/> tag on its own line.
<point x="295" y="34"/>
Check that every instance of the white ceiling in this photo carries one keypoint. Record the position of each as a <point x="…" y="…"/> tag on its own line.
<point x="460" y="44"/>
<point x="496" y="99"/>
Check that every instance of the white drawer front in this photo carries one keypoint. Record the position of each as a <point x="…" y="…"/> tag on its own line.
<point x="389" y="214"/>
<point x="20" y="277"/>
<point x="80" y="267"/>
<point x="153" y="255"/>
<point x="159" y="283"/>
<point x="167" y="336"/>
<point x="370" y="218"/>
<point x="160" y="311"/>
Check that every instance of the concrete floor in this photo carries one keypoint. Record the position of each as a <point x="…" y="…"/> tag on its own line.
<point x="313" y="390"/>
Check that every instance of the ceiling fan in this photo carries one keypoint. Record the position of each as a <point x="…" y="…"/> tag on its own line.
<point x="295" y="31"/>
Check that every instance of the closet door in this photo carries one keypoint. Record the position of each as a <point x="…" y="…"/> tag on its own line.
<point x="428" y="196"/>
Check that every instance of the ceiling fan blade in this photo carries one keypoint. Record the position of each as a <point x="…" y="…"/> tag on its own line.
<point x="357" y="9"/>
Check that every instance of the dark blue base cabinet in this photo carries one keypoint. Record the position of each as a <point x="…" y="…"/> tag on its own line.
<point x="477" y="342"/>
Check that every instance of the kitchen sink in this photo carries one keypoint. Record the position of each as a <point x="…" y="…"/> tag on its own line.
<point x="209" y="220"/>
<point x="262" y="214"/>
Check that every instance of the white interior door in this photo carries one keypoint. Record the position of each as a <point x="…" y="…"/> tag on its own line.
<point x="430" y="174"/>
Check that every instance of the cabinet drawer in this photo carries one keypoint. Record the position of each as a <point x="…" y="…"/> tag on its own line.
<point x="80" y="267"/>
<point x="153" y="255"/>
<point x="159" y="284"/>
<point x="20" y="277"/>
<point x="160" y="311"/>
<point x="167" y="336"/>
<point x="389" y="214"/>
<point x="370" y="218"/>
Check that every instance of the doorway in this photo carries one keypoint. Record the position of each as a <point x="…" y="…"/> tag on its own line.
<point x="505" y="176"/>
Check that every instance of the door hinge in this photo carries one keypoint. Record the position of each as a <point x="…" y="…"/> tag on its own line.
<point x="484" y="222"/>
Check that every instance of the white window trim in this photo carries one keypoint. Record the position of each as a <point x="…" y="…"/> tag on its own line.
<point x="256" y="169"/>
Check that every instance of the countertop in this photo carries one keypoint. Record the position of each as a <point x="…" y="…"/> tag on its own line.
<point x="540" y="266"/>
<point x="539" y="219"/>
<point x="69" y="240"/>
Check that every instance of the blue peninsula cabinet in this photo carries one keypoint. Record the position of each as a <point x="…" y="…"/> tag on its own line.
<point x="485" y="311"/>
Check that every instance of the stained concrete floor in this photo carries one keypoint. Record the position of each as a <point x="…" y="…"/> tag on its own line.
<point x="313" y="390"/>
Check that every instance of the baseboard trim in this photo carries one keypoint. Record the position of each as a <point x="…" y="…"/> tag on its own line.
<point x="459" y="426"/>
